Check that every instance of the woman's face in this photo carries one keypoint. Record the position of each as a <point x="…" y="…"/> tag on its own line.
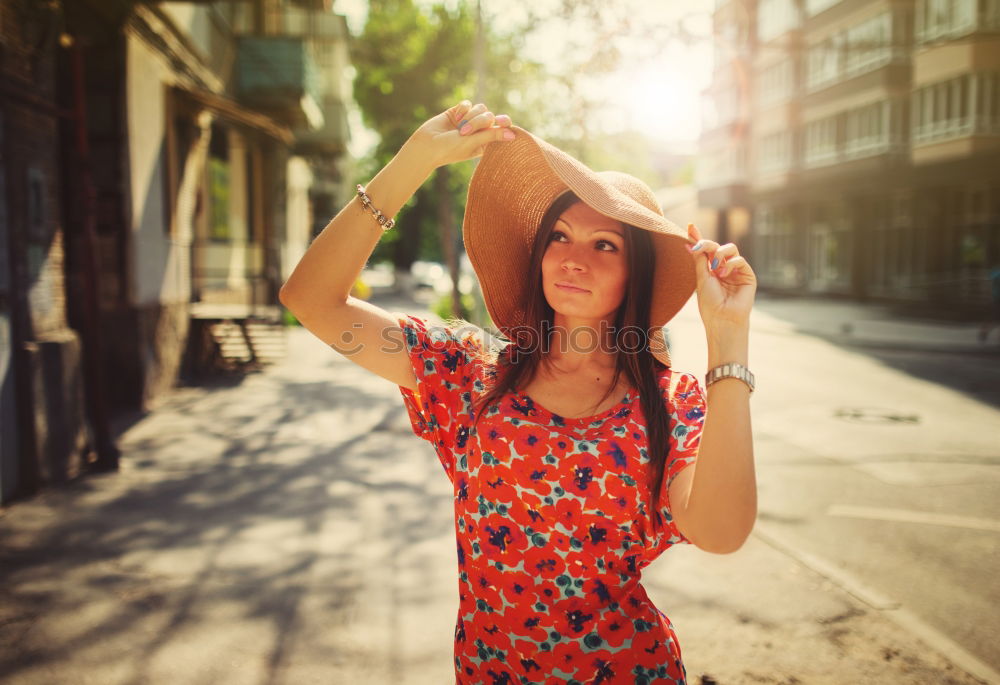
<point x="587" y="251"/>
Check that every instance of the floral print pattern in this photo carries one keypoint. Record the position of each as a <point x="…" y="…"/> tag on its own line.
<point x="551" y="523"/>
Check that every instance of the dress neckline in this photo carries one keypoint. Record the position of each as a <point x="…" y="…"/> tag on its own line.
<point x="540" y="412"/>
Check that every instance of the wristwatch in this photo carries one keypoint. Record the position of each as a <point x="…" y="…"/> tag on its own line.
<point x="730" y="370"/>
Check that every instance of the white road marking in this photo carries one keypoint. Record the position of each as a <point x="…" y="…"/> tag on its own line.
<point x="908" y="473"/>
<point x="888" y="607"/>
<point x="909" y="516"/>
<point x="869" y="596"/>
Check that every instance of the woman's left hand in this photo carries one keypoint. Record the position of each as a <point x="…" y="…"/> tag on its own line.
<point x="725" y="291"/>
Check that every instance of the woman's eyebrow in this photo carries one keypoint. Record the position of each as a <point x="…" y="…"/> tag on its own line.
<point x="617" y="232"/>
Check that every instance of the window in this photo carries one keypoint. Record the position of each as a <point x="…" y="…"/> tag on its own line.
<point x="869" y="44"/>
<point x="814" y="7"/>
<point x="775" y="243"/>
<point x="937" y="19"/>
<point x="775" y="17"/>
<point x="958" y="107"/>
<point x="821" y="141"/>
<point x="776" y="83"/>
<point x="856" y="50"/>
<point x="824" y="61"/>
<point x="218" y="185"/>
<point x="987" y="106"/>
<point x="723" y="165"/>
<point x="830" y="246"/>
<point x="37" y="205"/>
<point x="990" y="15"/>
<point x="775" y="152"/>
<point x="867" y="129"/>
<point x="4" y="231"/>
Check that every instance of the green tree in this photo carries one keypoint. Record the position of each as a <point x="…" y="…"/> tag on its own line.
<point x="411" y="64"/>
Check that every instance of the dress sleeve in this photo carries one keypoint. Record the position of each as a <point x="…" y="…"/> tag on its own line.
<point x="686" y="407"/>
<point x="444" y="361"/>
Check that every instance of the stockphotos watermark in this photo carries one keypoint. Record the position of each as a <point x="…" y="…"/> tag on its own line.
<point x="606" y="339"/>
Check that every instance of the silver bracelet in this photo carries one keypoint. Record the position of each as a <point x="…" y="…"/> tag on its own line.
<point x="730" y="370"/>
<point x="385" y="222"/>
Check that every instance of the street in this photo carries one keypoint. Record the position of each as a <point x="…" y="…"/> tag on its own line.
<point x="883" y="463"/>
<point x="288" y="527"/>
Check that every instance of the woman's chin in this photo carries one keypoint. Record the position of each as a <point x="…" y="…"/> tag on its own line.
<point x="563" y="312"/>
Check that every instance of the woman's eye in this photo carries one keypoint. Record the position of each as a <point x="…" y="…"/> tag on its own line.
<point x="602" y="245"/>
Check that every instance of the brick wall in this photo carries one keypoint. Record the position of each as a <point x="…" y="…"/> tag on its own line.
<point x="46" y="351"/>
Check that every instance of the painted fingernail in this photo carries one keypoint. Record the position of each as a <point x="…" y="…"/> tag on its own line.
<point x="509" y="135"/>
<point x="503" y="120"/>
<point x="464" y="130"/>
<point x="695" y="247"/>
<point x="462" y="123"/>
<point x="715" y="262"/>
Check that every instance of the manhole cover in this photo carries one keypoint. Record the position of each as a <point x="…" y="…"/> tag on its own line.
<point x="875" y="415"/>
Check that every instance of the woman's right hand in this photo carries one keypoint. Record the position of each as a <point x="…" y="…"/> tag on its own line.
<point x="461" y="132"/>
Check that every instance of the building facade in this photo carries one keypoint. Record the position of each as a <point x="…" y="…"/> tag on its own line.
<point x="868" y="150"/>
<point x="157" y="170"/>
<point x="42" y="428"/>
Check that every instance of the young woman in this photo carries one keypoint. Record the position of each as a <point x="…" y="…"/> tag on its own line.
<point x="568" y="446"/>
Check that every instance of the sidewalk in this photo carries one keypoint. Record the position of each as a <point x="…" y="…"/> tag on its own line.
<point x="869" y="325"/>
<point x="840" y="321"/>
<point x="290" y="528"/>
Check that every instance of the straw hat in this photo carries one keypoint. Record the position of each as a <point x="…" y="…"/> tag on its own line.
<point x="513" y="185"/>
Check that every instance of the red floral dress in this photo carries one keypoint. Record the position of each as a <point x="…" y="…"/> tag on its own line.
<point x="552" y="528"/>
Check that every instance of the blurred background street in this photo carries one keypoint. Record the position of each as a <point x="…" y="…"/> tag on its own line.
<point x="195" y="489"/>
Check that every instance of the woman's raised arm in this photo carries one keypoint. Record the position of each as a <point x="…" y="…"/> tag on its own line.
<point x="318" y="290"/>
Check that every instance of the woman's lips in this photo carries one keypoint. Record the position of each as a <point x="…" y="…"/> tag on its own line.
<point x="570" y="288"/>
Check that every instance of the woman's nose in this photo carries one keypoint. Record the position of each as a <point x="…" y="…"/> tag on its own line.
<point x="572" y="261"/>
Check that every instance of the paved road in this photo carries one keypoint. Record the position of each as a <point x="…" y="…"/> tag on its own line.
<point x="884" y="463"/>
<point x="289" y="528"/>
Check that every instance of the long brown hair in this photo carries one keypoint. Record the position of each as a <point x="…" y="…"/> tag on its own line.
<point x="518" y="363"/>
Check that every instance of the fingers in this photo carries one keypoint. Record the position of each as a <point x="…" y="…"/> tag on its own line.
<point x="723" y="253"/>
<point x="720" y="259"/>
<point x="477" y="119"/>
<point x="457" y="113"/>
<point x="732" y="264"/>
<point x="492" y="134"/>
<point x="469" y="118"/>
<point x="481" y="126"/>
<point x="476" y="127"/>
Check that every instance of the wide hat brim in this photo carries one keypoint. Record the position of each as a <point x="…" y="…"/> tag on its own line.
<point x="511" y="188"/>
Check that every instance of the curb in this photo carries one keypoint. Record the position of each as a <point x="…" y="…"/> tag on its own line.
<point x="983" y="350"/>
<point x="887" y="607"/>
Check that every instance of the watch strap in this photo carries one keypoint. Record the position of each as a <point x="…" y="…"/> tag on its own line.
<point x="730" y="370"/>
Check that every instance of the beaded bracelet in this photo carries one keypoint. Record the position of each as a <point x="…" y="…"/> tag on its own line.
<point x="385" y="222"/>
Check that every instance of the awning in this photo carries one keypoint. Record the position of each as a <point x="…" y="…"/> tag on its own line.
<point x="228" y="108"/>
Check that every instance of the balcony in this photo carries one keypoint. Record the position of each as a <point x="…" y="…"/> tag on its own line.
<point x="331" y="139"/>
<point x="957" y="117"/>
<point x="277" y="76"/>
<point x="963" y="18"/>
<point x="721" y="173"/>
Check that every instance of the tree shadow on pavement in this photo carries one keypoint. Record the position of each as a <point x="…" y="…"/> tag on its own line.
<point x="248" y="508"/>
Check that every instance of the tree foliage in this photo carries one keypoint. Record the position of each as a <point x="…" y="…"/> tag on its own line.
<point x="413" y="62"/>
